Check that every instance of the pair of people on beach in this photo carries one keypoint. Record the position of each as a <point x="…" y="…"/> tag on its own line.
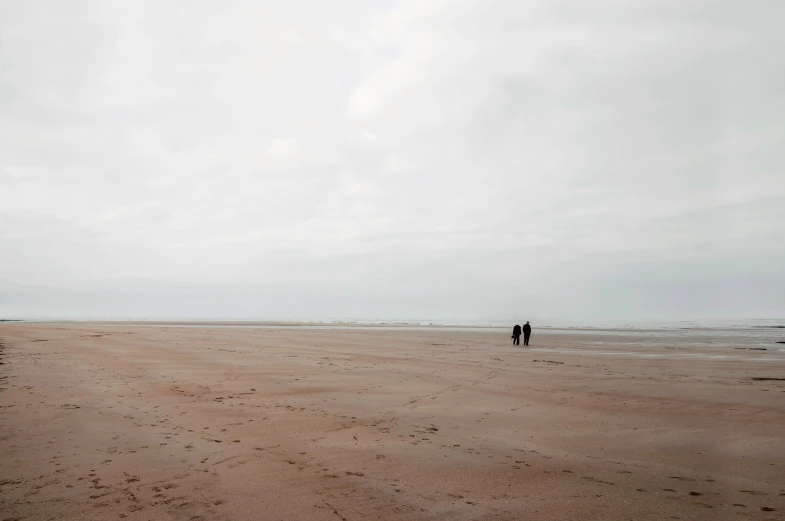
<point x="516" y="334"/>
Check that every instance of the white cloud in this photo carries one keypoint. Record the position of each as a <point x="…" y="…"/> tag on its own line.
<point x="390" y="150"/>
<point x="283" y="147"/>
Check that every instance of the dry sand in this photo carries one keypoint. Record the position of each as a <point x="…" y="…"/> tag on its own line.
<point x="155" y="423"/>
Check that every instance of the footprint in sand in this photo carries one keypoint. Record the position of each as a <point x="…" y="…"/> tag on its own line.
<point x="754" y="492"/>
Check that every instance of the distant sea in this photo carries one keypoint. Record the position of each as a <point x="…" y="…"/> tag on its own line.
<point x="752" y="323"/>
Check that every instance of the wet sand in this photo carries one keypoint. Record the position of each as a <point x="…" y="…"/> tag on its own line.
<point x="138" y="422"/>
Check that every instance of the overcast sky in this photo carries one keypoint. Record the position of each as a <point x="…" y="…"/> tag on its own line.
<point x="454" y="160"/>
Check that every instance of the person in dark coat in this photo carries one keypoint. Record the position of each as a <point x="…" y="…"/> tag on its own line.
<point x="527" y="332"/>
<point x="516" y="335"/>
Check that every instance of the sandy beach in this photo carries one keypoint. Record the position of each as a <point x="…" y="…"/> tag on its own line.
<point x="160" y="422"/>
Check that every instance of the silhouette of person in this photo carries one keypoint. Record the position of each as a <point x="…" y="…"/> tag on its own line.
<point x="527" y="332"/>
<point x="516" y="335"/>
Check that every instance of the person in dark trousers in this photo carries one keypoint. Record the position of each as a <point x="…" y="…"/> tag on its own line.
<point x="516" y="335"/>
<point x="527" y="332"/>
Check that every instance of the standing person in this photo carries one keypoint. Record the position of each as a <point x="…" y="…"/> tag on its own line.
<point x="527" y="332"/>
<point x="516" y="335"/>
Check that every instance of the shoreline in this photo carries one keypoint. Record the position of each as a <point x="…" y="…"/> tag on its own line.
<point x="358" y="324"/>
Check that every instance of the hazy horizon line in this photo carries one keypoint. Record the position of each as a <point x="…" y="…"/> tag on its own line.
<point x="563" y="322"/>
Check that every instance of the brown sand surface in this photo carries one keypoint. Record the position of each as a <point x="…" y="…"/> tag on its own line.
<point x="101" y="422"/>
